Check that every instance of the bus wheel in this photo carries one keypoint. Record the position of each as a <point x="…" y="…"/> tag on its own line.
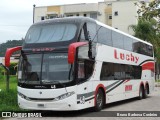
<point x="141" y="91"/>
<point x="146" y="92"/>
<point x="99" y="100"/>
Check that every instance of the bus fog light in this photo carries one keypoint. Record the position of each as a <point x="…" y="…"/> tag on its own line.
<point x="64" y="96"/>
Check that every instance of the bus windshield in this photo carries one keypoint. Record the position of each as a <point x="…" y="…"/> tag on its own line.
<point x="51" y="33"/>
<point x="44" y="68"/>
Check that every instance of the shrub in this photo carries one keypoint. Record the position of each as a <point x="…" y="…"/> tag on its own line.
<point x="13" y="68"/>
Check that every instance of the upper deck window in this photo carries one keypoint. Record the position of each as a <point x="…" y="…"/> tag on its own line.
<point x="51" y="33"/>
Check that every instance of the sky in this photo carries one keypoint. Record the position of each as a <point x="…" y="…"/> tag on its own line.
<point x="16" y="16"/>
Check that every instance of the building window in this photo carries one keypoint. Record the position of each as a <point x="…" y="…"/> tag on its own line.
<point x="53" y="16"/>
<point x="77" y="14"/>
<point x="42" y="18"/>
<point x="116" y="13"/>
<point x="109" y="4"/>
<point x="85" y="15"/>
<point x="110" y="17"/>
<point x="69" y="15"/>
<point x="93" y="15"/>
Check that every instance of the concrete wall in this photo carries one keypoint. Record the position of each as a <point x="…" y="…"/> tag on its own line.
<point x="76" y="8"/>
<point x="127" y="12"/>
<point x="127" y="15"/>
<point x="39" y="12"/>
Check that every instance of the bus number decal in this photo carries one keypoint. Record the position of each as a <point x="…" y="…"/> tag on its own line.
<point x="128" y="88"/>
<point x="82" y="100"/>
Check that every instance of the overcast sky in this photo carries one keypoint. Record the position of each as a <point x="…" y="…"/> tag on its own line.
<point x="16" y="15"/>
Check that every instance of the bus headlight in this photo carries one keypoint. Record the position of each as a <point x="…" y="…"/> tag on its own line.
<point x="23" y="96"/>
<point x="68" y="94"/>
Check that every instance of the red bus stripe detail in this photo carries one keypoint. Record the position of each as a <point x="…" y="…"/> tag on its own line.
<point x="148" y="66"/>
<point x="126" y="81"/>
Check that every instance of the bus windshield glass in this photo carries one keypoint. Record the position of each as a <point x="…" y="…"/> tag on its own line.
<point x="44" y="68"/>
<point x="51" y="33"/>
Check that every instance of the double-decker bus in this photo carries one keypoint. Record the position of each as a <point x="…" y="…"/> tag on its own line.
<point x="76" y="63"/>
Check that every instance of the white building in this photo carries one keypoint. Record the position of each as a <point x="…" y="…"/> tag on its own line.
<point x="119" y="14"/>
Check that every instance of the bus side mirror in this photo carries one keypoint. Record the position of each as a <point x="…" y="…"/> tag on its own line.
<point x="72" y="50"/>
<point x="9" y="54"/>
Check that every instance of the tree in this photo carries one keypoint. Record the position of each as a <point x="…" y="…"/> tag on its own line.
<point x="148" y="27"/>
<point x="151" y="11"/>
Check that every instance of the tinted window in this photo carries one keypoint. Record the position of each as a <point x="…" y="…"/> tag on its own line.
<point x="113" y="71"/>
<point x="104" y="36"/>
<point x="31" y="68"/>
<point x="107" y="72"/>
<point x="51" y="33"/>
<point x="85" y="69"/>
<point x="150" y="50"/>
<point x="142" y="48"/>
<point x="117" y="39"/>
<point x="55" y="67"/>
<point x="128" y="43"/>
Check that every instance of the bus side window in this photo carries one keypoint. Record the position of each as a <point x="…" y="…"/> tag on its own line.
<point x="128" y="43"/>
<point x="104" y="36"/>
<point x="118" y="40"/>
<point x="107" y="71"/>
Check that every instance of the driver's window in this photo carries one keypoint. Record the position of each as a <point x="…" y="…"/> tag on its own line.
<point x="85" y="69"/>
<point x="81" y="72"/>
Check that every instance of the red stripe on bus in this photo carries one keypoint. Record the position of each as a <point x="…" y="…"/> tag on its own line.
<point x="148" y="66"/>
<point x="126" y="81"/>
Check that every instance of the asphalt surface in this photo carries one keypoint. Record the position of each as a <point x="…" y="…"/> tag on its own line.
<point x="150" y="104"/>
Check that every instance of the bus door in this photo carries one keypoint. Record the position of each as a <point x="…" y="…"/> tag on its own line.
<point x="84" y="86"/>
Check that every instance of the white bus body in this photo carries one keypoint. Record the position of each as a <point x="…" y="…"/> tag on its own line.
<point x="85" y="94"/>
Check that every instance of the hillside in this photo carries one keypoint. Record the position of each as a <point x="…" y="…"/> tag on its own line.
<point x="9" y="44"/>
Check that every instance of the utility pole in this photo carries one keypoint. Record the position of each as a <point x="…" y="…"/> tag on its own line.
<point x="7" y="78"/>
<point x="33" y="11"/>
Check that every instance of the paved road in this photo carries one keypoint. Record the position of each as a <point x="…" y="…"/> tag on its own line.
<point x="152" y="103"/>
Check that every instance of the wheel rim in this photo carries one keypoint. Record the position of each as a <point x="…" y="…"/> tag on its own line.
<point x="99" y="100"/>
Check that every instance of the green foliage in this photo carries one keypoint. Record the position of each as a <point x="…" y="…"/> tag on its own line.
<point x="13" y="68"/>
<point x="8" y="100"/>
<point x="148" y="27"/>
<point x="144" y="29"/>
<point x="9" y="44"/>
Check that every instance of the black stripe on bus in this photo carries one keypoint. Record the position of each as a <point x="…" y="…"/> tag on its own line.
<point x="149" y="60"/>
<point x="114" y="87"/>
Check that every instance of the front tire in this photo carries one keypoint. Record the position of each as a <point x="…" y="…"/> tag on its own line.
<point x="146" y="92"/>
<point x="141" y="91"/>
<point x="99" y="103"/>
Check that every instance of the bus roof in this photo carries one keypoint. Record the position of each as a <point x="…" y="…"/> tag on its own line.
<point x="67" y="19"/>
<point x="81" y="19"/>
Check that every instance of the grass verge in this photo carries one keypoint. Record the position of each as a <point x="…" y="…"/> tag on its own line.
<point x="8" y="100"/>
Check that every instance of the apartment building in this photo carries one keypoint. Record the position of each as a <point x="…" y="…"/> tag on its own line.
<point x="119" y="14"/>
